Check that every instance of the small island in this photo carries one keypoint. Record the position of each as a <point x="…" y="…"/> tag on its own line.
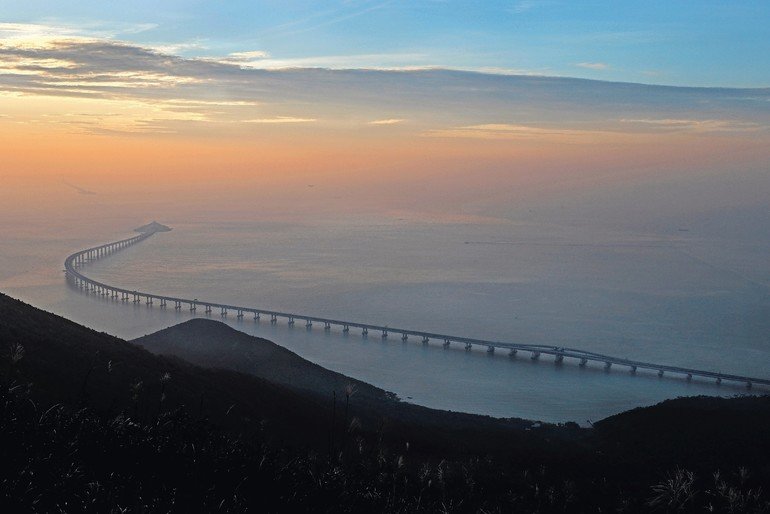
<point x="152" y="228"/>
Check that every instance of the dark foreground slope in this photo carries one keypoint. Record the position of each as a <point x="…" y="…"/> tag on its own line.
<point x="63" y="362"/>
<point x="213" y="344"/>
<point x="79" y="435"/>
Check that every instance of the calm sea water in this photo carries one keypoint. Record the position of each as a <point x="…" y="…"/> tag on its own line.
<point x="676" y="298"/>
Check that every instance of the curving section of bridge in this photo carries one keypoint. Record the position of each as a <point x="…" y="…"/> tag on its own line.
<point x="75" y="262"/>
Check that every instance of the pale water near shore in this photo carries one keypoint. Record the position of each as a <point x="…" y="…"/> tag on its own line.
<point x="675" y="298"/>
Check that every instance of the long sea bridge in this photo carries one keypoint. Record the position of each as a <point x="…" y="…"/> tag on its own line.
<point x="79" y="259"/>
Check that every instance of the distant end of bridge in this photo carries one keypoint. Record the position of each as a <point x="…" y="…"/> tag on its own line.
<point x="152" y="228"/>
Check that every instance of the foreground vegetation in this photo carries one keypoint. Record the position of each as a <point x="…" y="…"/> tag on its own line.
<point x="75" y="460"/>
<point x="116" y="429"/>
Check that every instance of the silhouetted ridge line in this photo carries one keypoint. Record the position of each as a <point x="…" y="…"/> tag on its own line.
<point x="83" y="257"/>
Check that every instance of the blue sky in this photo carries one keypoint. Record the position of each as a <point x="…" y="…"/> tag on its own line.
<point x="699" y="43"/>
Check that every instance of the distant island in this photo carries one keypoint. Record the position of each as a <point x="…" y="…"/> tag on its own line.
<point x="153" y="227"/>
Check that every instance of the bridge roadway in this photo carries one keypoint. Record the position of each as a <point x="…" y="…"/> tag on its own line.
<point x="79" y="259"/>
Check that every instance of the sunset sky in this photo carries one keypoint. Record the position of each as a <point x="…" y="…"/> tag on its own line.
<point x="436" y="105"/>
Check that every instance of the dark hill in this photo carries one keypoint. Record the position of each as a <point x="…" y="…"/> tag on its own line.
<point x="67" y="363"/>
<point x="705" y="430"/>
<point x="213" y="344"/>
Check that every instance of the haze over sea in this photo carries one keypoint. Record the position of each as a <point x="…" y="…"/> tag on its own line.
<point x="592" y="175"/>
<point x="689" y="293"/>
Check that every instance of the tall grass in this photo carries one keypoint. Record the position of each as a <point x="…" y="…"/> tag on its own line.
<point x="64" y="458"/>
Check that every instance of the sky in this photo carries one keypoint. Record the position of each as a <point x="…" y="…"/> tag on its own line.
<point x="688" y="43"/>
<point x="451" y="106"/>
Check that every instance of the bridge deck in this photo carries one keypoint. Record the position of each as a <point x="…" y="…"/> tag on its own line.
<point x="82" y="257"/>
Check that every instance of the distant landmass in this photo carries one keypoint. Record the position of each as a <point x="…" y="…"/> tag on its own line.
<point x="92" y="423"/>
<point x="153" y="227"/>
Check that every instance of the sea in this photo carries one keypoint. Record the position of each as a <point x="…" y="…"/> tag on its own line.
<point x="672" y="298"/>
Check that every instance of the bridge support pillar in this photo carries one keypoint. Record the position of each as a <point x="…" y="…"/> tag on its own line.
<point x="345" y="329"/>
<point x="583" y="362"/>
<point x="256" y="316"/>
<point x="446" y="343"/>
<point x="425" y="340"/>
<point x="559" y="358"/>
<point x="208" y="309"/>
<point x="193" y="307"/>
<point x="512" y="352"/>
<point x="607" y="365"/>
<point x="327" y="326"/>
<point x="633" y="370"/>
<point x="364" y="331"/>
<point x="689" y="377"/>
<point x="308" y="323"/>
<point x="490" y="349"/>
<point x="404" y="336"/>
<point x="273" y="319"/>
<point x="660" y="372"/>
<point x="177" y="305"/>
<point x="719" y="380"/>
<point x="291" y="321"/>
<point x="240" y="314"/>
<point x="223" y="312"/>
<point x="468" y="347"/>
<point x="535" y="356"/>
<point x="384" y="334"/>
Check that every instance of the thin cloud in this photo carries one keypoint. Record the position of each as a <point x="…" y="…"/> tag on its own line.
<point x="32" y="32"/>
<point x="596" y="66"/>
<point x="177" y="48"/>
<point x="281" y="119"/>
<point x="79" y="189"/>
<point x="137" y="28"/>
<point x="702" y="126"/>
<point x="524" y="6"/>
<point x="337" y="62"/>
<point x="506" y="131"/>
<point x="249" y="56"/>
<point x="340" y="18"/>
<point x="216" y="103"/>
<point x="389" y="121"/>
